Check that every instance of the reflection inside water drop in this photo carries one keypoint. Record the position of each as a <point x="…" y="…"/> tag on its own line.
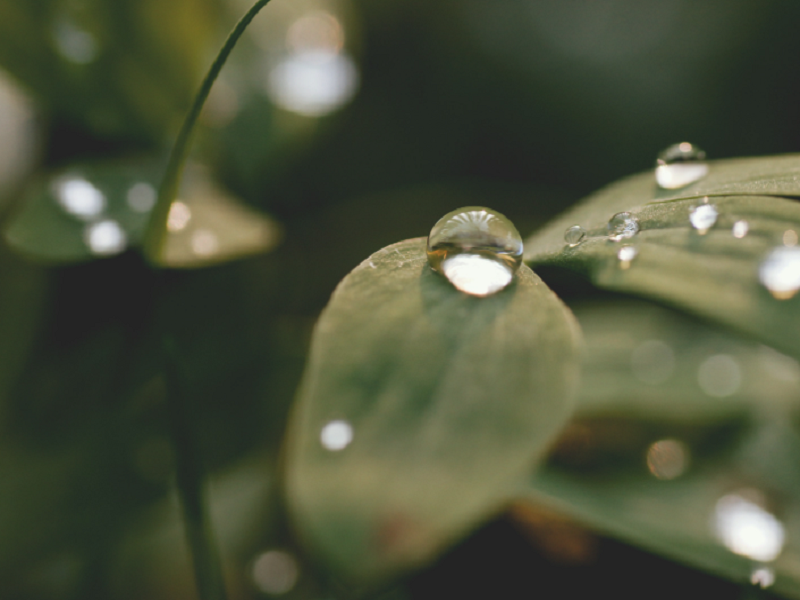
<point x="574" y="235"/>
<point x="476" y="248"/>
<point x="703" y="217"/>
<point x="680" y="165"/>
<point x="748" y="529"/>
<point x="622" y="226"/>
<point x="780" y="272"/>
<point x="336" y="435"/>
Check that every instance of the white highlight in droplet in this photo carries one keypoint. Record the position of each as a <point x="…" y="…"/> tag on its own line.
<point x="141" y="197"/>
<point x="313" y="83"/>
<point x="79" y="197"/>
<point x="105" y="238"/>
<point x="780" y="272"/>
<point x="476" y="275"/>
<point x="703" y="217"/>
<point x="336" y="435"/>
<point x="747" y="529"/>
<point x="719" y="376"/>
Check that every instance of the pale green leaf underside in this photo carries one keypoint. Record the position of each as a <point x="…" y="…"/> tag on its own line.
<point x="741" y="442"/>
<point x="451" y="399"/>
<point x="713" y="275"/>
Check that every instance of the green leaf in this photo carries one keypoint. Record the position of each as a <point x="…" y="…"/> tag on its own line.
<point x="450" y="399"/>
<point x="718" y="440"/>
<point x="96" y="210"/>
<point x="715" y="275"/>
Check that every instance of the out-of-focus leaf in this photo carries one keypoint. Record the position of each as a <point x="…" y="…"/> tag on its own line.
<point x="97" y="210"/>
<point x="122" y="68"/>
<point x="715" y="275"/>
<point x="448" y="398"/>
<point x="682" y="433"/>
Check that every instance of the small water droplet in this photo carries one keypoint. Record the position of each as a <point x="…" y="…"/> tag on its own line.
<point x="780" y="272"/>
<point x="667" y="459"/>
<point x="178" y="217"/>
<point x="622" y="226"/>
<point x="719" y="376"/>
<point x="703" y="217"/>
<point x="336" y="435"/>
<point x="789" y="238"/>
<point x="680" y="165"/>
<point x="105" y="238"/>
<point x="625" y="255"/>
<point x="740" y="229"/>
<point x="762" y="577"/>
<point x="747" y="528"/>
<point x="275" y="572"/>
<point x="79" y="197"/>
<point x="574" y="235"/>
<point x="476" y="248"/>
<point x="141" y="197"/>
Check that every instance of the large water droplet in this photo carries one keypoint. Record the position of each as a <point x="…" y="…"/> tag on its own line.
<point x="703" y="217"/>
<point x="680" y="165"/>
<point x="574" y="235"/>
<point x="780" y="272"/>
<point x="622" y="226"/>
<point x="476" y="248"/>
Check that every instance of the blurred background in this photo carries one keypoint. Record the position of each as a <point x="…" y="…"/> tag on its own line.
<point x="338" y="127"/>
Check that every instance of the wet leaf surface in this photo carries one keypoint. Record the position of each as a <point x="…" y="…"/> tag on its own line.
<point x="448" y="399"/>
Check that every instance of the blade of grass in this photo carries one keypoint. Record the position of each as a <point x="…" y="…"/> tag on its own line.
<point x="155" y="233"/>
<point x="189" y="476"/>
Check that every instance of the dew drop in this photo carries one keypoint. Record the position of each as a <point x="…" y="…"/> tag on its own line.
<point x="275" y="572"/>
<point x="703" y="217"/>
<point x="625" y="255"/>
<point x="740" y="229"/>
<point x="746" y="528"/>
<point x="622" y="226"/>
<point x="780" y="272"/>
<point x="762" y="577"/>
<point x="79" y="197"/>
<point x="680" y="165"/>
<point x="789" y="238"/>
<point x="105" y="238"/>
<point x="476" y="248"/>
<point x="574" y="235"/>
<point x="667" y="459"/>
<point x="336" y="435"/>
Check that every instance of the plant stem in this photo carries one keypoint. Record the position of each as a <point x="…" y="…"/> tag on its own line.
<point x="189" y="475"/>
<point x="156" y="231"/>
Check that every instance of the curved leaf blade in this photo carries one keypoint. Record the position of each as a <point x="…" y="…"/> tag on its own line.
<point x="715" y="275"/>
<point x="450" y="398"/>
<point x="744" y="443"/>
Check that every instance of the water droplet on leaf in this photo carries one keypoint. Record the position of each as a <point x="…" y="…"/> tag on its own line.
<point x="574" y="235"/>
<point x="680" y="165"/>
<point x="780" y="272"/>
<point x="476" y="248"/>
<point x="105" y="238"/>
<point x="336" y="435"/>
<point x="703" y="217"/>
<point x="740" y="229"/>
<point x="626" y="254"/>
<point x="622" y="226"/>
